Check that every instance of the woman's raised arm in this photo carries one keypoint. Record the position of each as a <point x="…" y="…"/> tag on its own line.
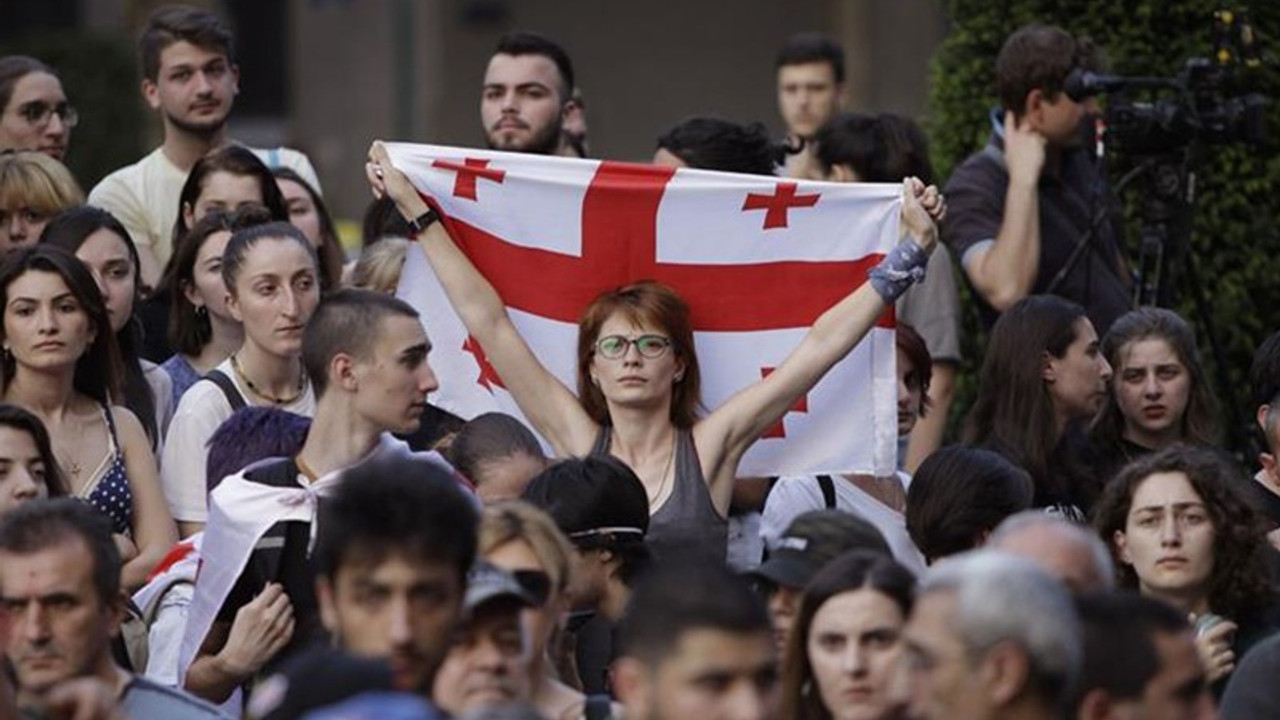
<point x="553" y="409"/>
<point x="726" y="433"/>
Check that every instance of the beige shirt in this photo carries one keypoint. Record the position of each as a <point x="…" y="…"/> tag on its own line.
<point x="144" y="196"/>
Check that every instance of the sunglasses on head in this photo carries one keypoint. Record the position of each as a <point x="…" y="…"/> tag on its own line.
<point x="534" y="582"/>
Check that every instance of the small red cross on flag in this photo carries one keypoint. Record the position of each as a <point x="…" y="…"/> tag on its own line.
<point x="469" y="171"/>
<point x="561" y="231"/>
<point x="776" y="205"/>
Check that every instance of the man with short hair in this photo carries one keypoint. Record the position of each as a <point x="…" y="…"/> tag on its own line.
<point x="602" y="508"/>
<point x="1069" y="552"/>
<point x="60" y="589"/>
<point x="1140" y="662"/>
<point x="366" y="356"/>
<point x="696" y="643"/>
<point x="810" y="74"/>
<point x="991" y="637"/>
<point x="189" y="77"/>
<point x="487" y="665"/>
<point x="527" y="96"/>
<point x="393" y="547"/>
<point x="1022" y="207"/>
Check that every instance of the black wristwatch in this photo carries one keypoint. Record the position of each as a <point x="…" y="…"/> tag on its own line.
<point x="423" y="221"/>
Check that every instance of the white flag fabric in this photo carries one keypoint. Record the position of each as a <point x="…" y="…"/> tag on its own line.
<point x="757" y="259"/>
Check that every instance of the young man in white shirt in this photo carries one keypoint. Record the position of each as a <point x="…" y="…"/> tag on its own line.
<point x="191" y="79"/>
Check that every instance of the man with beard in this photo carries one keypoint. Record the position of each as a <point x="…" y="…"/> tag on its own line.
<point x="528" y="96"/>
<point x="190" y="77"/>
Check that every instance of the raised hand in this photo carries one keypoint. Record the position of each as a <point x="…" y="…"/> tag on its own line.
<point x="385" y="179"/>
<point x="917" y="221"/>
<point x="1023" y="151"/>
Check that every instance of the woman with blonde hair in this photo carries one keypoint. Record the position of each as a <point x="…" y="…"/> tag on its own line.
<point x="33" y="188"/>
<point x="380" y="265"/>
<point x="525" y="541"/>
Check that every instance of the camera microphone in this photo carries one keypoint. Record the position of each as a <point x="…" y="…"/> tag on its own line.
<point x="1082" y="84"/>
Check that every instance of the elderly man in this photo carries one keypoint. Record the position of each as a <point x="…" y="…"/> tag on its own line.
<point x="991" y="637"/>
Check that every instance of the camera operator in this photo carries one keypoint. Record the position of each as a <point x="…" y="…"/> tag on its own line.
<point x="1020" y="207"/>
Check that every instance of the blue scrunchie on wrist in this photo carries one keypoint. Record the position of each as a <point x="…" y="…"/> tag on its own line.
<point x="903" y="266"/>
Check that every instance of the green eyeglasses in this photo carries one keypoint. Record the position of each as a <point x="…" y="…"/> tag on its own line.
<point x="613" y="347"/>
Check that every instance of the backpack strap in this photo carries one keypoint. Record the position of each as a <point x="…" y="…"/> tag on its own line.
<point x="269" y="551"/>
<point x="224" y="383"/>
<point x="828" y="487"/>
<point x="598" y="707"/>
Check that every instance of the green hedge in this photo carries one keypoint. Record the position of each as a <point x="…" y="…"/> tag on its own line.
<point x="1236" y="234"/>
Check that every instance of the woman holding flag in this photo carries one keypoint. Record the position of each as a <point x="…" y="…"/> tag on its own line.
<point x="638" y="376"/>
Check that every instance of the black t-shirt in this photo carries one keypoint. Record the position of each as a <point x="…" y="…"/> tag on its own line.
<point x="1068" y="201"/>
<point x="280" y="556"/>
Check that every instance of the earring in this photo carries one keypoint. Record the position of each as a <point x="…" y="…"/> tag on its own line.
<point x="202" y="312"/>
<point x="678" y="378"/>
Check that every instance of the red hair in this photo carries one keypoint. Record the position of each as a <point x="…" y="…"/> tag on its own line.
<point x="644" y="303"/>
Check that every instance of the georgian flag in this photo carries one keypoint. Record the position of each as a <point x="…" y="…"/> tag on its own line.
<point x="756" y="258"/>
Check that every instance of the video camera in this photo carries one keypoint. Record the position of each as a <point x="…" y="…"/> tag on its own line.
<point x="1201" y="106"/>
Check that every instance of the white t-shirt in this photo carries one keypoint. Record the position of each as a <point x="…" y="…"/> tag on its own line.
<point x="792" y="496"/>
<point x="186" y="449"/>
<point x="144" y="196"/>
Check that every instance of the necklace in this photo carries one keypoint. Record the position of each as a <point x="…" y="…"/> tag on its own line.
<point x="662" y="481"/>
<point x="274" y="399"/>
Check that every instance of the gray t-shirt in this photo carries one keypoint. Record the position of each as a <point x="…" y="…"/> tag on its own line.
<point x="145" y="700"/>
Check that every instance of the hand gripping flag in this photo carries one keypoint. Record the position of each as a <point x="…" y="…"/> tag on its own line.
<point x="757" y="258"/>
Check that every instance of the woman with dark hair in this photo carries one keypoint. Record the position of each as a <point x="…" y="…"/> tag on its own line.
<point x="62" y="364"/>
<point x="34" y="113"/>
<point x="1182" y="531"/>
<point x="959" y="496"/>
<point x="848" y="636"/>
<point x="201" y="329"/>
<point x="1159" y="394"/>
<point x="226" y="180"/>
<point x="1042" y="380"/>
<point x="33" y="188"/>
<point x="309" y="214"/>
<point x="28" y="469"/>
<point x="272" y="278"/>
<point x="713" y="144"/>
<point x="100" y="242"/>
<point x="638" y="375"/>
<point x="879" y="500"/>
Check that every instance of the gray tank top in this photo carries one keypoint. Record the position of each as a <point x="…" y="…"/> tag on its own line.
<point x="687" y="523"/>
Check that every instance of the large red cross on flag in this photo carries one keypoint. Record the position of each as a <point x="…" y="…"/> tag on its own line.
<point x="553" y="233"/>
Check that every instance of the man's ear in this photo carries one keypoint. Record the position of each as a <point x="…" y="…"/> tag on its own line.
<point x="1033" y="108"/>
<point x="1096" y="705"/>
<point x="343" y="372"/>
<point x="324" y="599"/>
<point x="631" y="684"/>
<point x="1006" y="670"/>
<point x="115" y="612"/>
<point x="151" y="93"/>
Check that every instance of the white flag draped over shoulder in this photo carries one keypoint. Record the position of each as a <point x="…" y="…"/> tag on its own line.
<point x="757" y="259"/>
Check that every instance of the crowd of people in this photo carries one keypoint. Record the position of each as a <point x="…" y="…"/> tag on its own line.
<point x="224" y="492"/>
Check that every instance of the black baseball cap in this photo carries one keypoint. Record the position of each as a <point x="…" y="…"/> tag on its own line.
<point x="594" y="500"/>
<point x="812" y="540"/>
